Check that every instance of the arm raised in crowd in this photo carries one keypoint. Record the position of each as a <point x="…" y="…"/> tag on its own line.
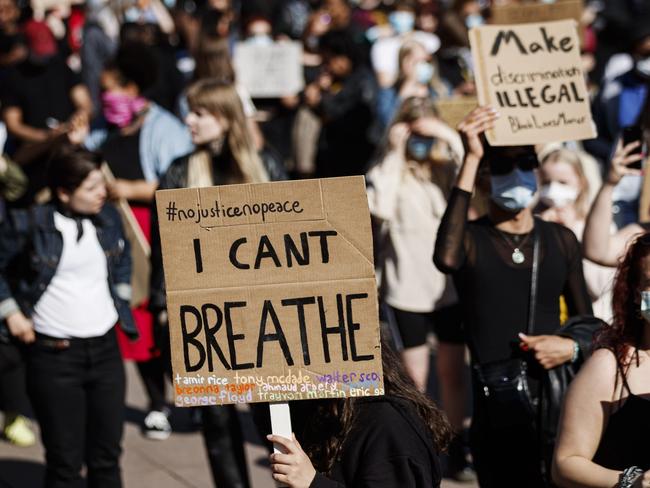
<point x="449" y="254"/>
<point x="599" y="244"/>
<point x="575" y="289"/>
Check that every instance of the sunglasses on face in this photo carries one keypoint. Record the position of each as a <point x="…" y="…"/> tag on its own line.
<point x="503" y="162"/>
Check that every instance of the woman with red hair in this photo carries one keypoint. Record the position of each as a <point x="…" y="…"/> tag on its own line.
<point x="605" y="425"/>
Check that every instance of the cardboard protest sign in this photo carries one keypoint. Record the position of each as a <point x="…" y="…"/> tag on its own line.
<point x="268" y="71"/>
<point x="523" y="13"/>
<point x="271" y="293"/>
<point x="140" y="248"/>
<point x="531" y="73"/>
<point x="453" y="110"/>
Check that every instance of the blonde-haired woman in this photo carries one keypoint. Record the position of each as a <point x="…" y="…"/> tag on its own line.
<point x="407" y="197"/>
<point x="225" y="154"/>
<point x="565" y="199"/>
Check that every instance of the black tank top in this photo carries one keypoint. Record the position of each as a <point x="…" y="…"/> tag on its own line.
<point x="625" y="440"/>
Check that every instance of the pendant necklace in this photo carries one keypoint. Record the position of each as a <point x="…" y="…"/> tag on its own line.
<point x="517" y="255"/>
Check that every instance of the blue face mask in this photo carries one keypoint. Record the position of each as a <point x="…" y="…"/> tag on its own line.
<point x="402" y="22"/>
<point x="423" y="72"/>
<point x="514" y="191"/>
<point x="419" y="147"/>
<point x="474" y="20"/>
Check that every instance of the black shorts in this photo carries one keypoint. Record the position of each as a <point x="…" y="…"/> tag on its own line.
<point x="413" y="327"/>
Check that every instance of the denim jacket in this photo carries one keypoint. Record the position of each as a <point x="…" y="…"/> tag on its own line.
<point x="30" y="250"/>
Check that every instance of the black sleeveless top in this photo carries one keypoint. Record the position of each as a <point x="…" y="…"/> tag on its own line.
<point x="625" y="440"/>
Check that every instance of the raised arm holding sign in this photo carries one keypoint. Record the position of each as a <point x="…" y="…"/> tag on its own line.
<point x="532" y="74"/>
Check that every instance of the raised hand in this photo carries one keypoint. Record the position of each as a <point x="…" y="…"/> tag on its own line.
<point x="621" y="161"/>
<point x="476" y="123"/>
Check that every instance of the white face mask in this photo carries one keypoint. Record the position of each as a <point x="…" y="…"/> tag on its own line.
<point x="514" y="191"/>
<point x="423" y="72"/>
<point x="642" y="67"/>
<point x="645" y="305"/>
<point x="474" y="20"/>
<point x="402" y="21"/>
<point x="558" y="195"/>
<point x="260" y="40"/>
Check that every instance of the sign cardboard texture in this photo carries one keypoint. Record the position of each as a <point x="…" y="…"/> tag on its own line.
<point x="267" y="71"/>
<point x="523" y="13"/>
<point x="453" y="110"/>
<point x="532" y="74"/>
<point x="140" y="248"/>
<point x="271" y="293"/>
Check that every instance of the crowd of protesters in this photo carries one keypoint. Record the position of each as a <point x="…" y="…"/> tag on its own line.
<point x="517" y="268"/>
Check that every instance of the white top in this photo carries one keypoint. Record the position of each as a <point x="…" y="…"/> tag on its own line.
<point x="410" y="208"/>
<point x="77" y="302"/>
<point x="385" y="52"/>
<point x="599" y="280"/>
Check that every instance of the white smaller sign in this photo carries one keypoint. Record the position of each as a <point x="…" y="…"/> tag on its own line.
<point x="269" y="71"/>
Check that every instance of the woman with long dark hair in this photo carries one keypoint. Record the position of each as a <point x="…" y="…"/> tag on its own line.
<point x="606" y="420"/>
<point x="370" y="442"/>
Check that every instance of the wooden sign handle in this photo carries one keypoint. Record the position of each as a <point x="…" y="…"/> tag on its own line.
<point x="280" y="424"/>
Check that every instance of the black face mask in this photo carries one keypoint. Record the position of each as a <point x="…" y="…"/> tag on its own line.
<point x="419" y="147"/>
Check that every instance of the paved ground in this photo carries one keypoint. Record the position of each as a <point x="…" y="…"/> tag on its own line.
<point x="178" y="462"/>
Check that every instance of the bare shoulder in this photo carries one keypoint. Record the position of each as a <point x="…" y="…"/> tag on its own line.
<point x="597" y="377"/>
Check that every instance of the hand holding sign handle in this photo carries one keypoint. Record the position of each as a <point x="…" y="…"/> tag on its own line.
<point x="281" y="428"/>
<point x="292" y="467"/>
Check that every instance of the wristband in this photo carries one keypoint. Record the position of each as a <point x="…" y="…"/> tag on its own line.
<point x="628" y="477"/>
<point x="576" y="351"/>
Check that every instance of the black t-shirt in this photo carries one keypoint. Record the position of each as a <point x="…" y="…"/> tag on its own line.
<point x="41" y="92"/>
<point x="348" y="139"/>
<point x="122" y="154"/>
<point x="389" y="445"/>
<point x="494" y="292"/>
